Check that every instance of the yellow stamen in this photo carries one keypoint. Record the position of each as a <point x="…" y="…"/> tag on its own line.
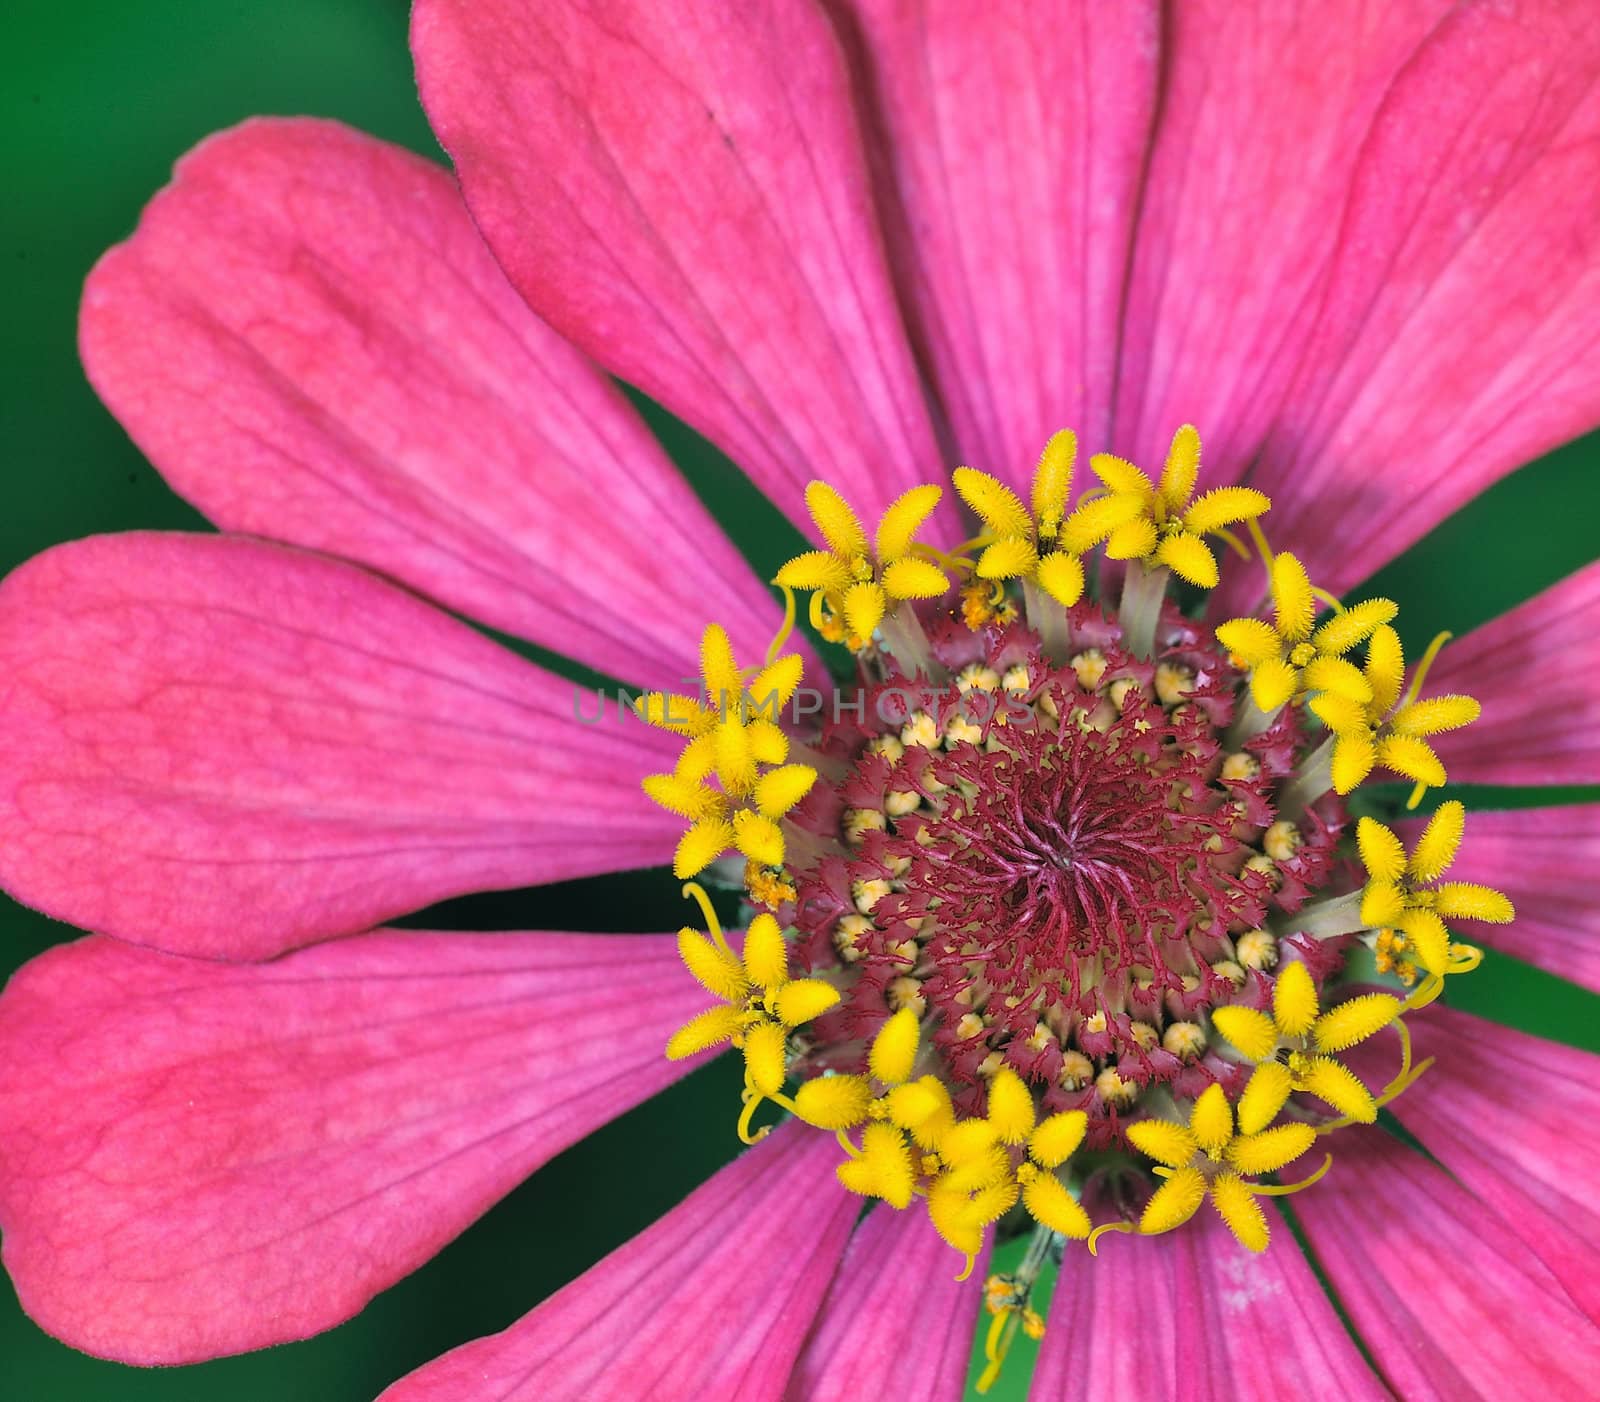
<point x="1286" y="1190"/>
<point x="1094" y="1236"/>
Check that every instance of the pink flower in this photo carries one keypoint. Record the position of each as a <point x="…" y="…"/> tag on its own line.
<point x="858" y="241"/>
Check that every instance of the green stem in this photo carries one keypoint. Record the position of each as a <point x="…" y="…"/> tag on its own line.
<point x="1249" y="721"/>
<point x="1313" y="779"/>
<point x="1142" y="592"/>
<point x="1048" y="619"/>
<point x="904" y="639"/>
<point x="1323" y="920"/>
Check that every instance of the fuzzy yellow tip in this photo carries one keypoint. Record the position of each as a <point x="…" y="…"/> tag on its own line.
<point x="894" y="1049"/>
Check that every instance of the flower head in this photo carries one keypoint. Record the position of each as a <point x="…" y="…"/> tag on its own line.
<point x="733" y="736"/>
<point x="759" y="1002"/>
<point x="1384" y="731"/>
<point x="1045" y="857"/>
<point x="1058" y="921"/>
<point x="1294" y="1045"/>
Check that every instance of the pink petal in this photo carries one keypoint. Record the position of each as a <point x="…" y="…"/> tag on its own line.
<point x="1013" y="139"/>
<point x="1369" y="259"/>
<point x="309" y="339"/>
<point x="713" y="1301"/>
<point x="1517" y="1120"/>
<point x="1537" y="672"/>
<point x="680" y="190"/>
<point x="1448" y="1301"/>
<point x="226" y="747"/>
<point x="1262" y="120"/>
<point x="896" y="1323"/>
<point x="199" y="1158"/>
<point x="1194" y="1315"/>
<point x="1544" y="859"/>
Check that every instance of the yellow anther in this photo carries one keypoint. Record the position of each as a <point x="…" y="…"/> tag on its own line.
<point x="714" y="968"/>
<point x="1382" y="852"/>
<point x="1351" y="626"/>
<point x="1341" y="1027"/>
<point x="1058" y="1137"/>
<point x="978" y="603"/>
<point x="884" y="1168"/>
<point x="1436" y="714"/>
<point x="1047" y="1201"/>
<point x="1052" y="482"/>
<point x="864" y="606"/>
<point x="1294" y="1001"/>
<point x="705" y="1030"/>
<point x="837" y="522"/>
<point x="1270" y="1149"/>
<point x="1336" y="1084"/>
<point x="1011" y="1109"/>
<point x="1251" y="1032"/>
<point x="1164" y="525"/>
<point x="1211" y="1120"/>
<point x="967" y="1143"/>
<point x="894" y="1050"/>
<point x="801" y="1000"/>
<point x="766" y="1057"/>
<point x="996" y="505"/>
<point x="833" y="1102"/>
<point x="701" y="845"/>
<point x="1265" y="1095"/>
<point x="687" y="797"/>
<point x="758" y="838"/>
<point x="922" y="1108"/>
<point x="858" y="585"/>
<point x="1237" y="1206"/>
<point x="965" y="1200"/>
<point x="1174" y="1202"/>
<point x="768" y="888"/>
<point x="766" y="955"/>
<point x="1287" y="658"/>
<point x="897" y="531"/>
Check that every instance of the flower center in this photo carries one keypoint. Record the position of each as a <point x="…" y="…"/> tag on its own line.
<point x="1050" y="861"/>
<point x="1066" y="870"/>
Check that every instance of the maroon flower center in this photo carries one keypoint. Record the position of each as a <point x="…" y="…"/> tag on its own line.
<point x="1072" y="855"/>
<point x="1055" y="862"/>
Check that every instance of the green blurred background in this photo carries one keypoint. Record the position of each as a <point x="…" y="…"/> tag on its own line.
<point x="99" y="100"/>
